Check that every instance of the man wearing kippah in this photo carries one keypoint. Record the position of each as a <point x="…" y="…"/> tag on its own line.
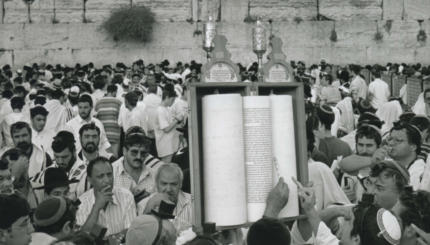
<point x="404" y="146"/>
<point x="54" y="219"/>
<point x="15" y="222"/>
<point x="331" y="146"/>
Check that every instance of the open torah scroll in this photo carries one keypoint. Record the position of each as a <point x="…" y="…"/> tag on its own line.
<point x="248" y="143"/>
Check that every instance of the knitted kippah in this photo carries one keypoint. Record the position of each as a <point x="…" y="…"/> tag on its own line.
<point x="50" y="211"/>
<point x="326" y="109"/>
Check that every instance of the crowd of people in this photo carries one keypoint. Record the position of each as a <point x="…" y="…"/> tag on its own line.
<point x="99" y="156"/>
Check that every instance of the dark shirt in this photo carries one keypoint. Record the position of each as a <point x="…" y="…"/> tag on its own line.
<point x="333" y="147"/>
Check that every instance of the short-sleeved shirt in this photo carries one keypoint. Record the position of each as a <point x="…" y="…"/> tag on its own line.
<point x="116" y="217"/>
<point x="333" y="147"/>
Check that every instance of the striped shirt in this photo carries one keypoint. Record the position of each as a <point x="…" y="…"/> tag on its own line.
<point x="107" y="109"/>
<point x="117" y="216"/>
<point x="146" y="180"/>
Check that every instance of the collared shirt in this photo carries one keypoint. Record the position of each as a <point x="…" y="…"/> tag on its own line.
<point x="183" y="211"/>
<point x="43" y="139"/>
<point x="76" y="123"/>
<point x="123" y="179"/>
<point x="118" y="214"/>
<point x="128" y="119"/>
<point x="146" y="180"/>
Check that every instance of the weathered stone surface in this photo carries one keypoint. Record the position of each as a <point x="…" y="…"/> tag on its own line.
<point x="393" y="9"/>
<point x="6" y="57"/>
<point x="417" y="9"/>
<point x="351" y="9"/>
<point x="284" y="10"/>
<point x="308" y="41"/>
<point x="168" y="10"/>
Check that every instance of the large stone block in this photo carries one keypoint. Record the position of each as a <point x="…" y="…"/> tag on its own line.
<point x="168" y="10"/>
<point x="6" y="57"/>
<point x="351" y="9"/>
<point x="45" y="36"/>
<point x="12" y="36"/>
<point x="417" y="9"/>
<point x="68" y="11"/>
<point x="284" y="10"/>
<point x="393" y="9"/>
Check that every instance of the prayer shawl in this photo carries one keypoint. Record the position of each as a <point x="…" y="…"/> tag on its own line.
<point x="58" y="115"/>
<point x="326" y="187"/>
<point x="327" y="193"/>
<point x="346" y="121"/>
<point x="420" y="106"/>
<point x="389" y="113"/>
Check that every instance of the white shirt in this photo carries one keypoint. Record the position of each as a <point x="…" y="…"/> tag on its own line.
<point x="117" y="216"/>
<point x="166" y="143"/>
<point x="380" y="91"/>
<point x="324" y="236"/>
<point x="180" y="109"/>
<point x="40" y="238"/>
<point x="76" y="123"/>
<point x="43" y="140"/>
<point x="152" y="101"/>
<point x="128" y="119"/>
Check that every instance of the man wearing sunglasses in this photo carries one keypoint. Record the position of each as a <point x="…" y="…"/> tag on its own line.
<point x="136" y="170"/>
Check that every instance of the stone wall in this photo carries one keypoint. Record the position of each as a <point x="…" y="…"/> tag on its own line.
<point x="295" y="21"/>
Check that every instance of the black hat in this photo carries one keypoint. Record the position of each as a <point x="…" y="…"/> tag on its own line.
<point x="165" y="210"/>
<point x="56" y="177"/>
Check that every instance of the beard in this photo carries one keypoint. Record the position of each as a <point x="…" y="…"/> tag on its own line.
<point x="23" y="146"/>
<point x="90" y="147"/>
<point x="84" y="115"/>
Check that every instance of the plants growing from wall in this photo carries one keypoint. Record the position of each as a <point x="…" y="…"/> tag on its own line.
<point x="298" y="19"/>
<point x="388" y="25"/>
<point x="333" y="35"/>
<point x="378" y="35"/>
<point x="135" y="24"/>
<point x="422" y="36"/>
<point x="29" y="3"/>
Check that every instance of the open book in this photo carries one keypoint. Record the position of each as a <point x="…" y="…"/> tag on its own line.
<point x="248" y="143"/>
